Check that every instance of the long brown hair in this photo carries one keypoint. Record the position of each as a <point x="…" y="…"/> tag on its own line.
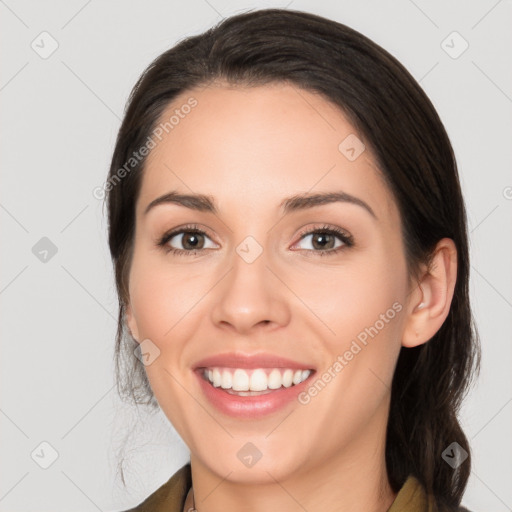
<point x="398" y="121"/>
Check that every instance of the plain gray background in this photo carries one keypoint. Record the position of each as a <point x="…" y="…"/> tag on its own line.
<point x="60" y="115"/>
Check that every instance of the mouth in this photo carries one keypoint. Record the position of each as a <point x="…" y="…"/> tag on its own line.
<point x="251" y="387"/>
<point x="255" y="382"/>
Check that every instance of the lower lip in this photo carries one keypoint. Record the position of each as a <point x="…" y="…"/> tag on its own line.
<point x="250" y="406"/>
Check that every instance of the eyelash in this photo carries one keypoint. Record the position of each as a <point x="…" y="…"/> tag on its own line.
<point x="347" y="239"/>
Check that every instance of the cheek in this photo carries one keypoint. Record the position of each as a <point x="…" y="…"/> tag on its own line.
<point x="354" y="297"/>
<point x="363" y="307"/>
<point x="164" y="302"/>
<point x="163" y="297"/>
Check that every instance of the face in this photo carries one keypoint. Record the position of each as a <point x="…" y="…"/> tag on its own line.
<point x="322" y="284"/>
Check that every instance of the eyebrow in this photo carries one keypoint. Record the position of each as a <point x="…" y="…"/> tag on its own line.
<point x="206" y="203"/>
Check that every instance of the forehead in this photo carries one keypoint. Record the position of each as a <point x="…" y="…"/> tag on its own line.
<point x="256" y="145"/>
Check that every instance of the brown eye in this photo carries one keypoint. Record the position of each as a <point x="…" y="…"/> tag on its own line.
<point x="192" y="240"/>
<point x="324" y="240"/>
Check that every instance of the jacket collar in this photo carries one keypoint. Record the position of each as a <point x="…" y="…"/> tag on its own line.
<point x="170" y="497"/>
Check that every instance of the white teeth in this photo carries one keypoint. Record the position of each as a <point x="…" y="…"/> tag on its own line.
<point x="240" y="381"/>
<point x="217" y="377"/>
<point x="254" y="380"/>
<point x="227" y="380"/>
<point x="287" y="378"/>
<point x="258" y="381"/>
<point x="274" y="379"/>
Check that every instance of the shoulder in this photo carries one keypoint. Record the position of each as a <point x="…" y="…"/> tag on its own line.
<point x="170" y="497"/>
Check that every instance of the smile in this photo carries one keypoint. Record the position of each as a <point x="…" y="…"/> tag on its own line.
<point x="244" y="381"/>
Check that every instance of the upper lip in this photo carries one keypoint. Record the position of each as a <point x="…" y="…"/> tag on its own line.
<point x="240" y="360"/>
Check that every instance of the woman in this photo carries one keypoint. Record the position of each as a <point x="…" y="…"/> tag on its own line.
<point x="290" y="250"/>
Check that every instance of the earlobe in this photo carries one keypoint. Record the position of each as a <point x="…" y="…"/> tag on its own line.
<point x="131" y="323"/>
<point x="430" y="302"/>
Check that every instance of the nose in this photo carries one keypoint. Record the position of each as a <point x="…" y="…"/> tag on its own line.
<point x="250" y="296"/>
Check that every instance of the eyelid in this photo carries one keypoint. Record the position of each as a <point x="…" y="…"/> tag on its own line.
<point x="187" y="228"/>
<point x="346" y="238"/>
<point x="340" y="233"/>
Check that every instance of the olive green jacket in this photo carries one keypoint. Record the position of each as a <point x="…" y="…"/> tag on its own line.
<point x="170" y="497"/>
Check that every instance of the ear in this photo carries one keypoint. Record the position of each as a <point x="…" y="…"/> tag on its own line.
<point x="131" y="323"/>
<point x="430" y="301"/>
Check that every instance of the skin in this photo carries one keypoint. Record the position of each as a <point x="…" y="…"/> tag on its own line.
<point x="249" y="148"/>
